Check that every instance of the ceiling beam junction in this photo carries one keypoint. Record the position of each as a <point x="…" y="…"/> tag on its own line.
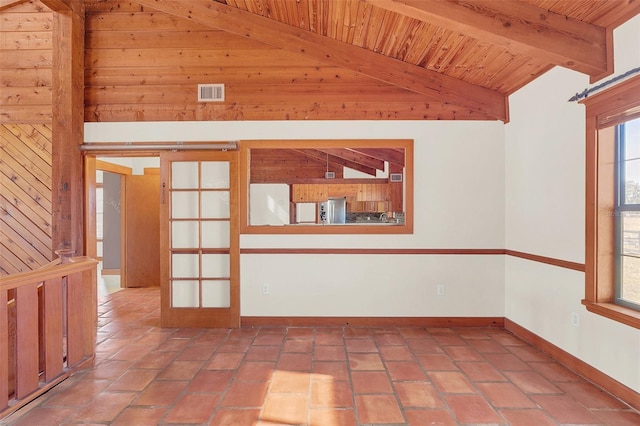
<point x="392" y="156"/>
<point x="517" y="26"/>
<point x="59" y="5"/>
<point x="354" y="156"/>
<point x="334" y="161"/>
<point x="6" y="4"/>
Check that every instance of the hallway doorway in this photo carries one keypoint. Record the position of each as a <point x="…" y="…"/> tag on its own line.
<point x="123" y="225"/>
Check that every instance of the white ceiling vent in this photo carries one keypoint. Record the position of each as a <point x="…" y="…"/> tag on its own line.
<point x="210" y="92"/>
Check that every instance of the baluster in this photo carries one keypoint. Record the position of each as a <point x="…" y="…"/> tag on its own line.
<point x="75" y="311"/>
<point x="90" y="308"/>
<point x="4" y="351"/>
<point x="53" y="331"/>
<point x="27" y="354"/>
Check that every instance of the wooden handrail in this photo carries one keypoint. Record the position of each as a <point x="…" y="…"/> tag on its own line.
<point x="77" y="264"/>
<point x="54" y="262"/>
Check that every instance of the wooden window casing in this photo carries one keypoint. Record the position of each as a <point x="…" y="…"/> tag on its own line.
<point x="604" y="111"/>
<point x="627" y="215"/>
<point x="245" y="167"/>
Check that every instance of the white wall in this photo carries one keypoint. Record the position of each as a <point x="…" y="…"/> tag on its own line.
<point x="373" y="285"/>
<point x="545" y="158"/>
<point x="544" y="215"/>
<point x="459" y="203"/>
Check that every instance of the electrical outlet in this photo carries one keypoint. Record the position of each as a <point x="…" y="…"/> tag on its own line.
<point x="265" y="288"/>
<point x="440" y="290"/>
<point x="575" y="319"/>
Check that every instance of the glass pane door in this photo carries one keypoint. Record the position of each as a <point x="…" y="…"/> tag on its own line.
<point x="202" y="250"/>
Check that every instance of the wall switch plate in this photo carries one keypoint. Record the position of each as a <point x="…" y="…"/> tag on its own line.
<point x="440" y="290"/>
<point x="575" y="319"/>
<point x="265" y="288"/>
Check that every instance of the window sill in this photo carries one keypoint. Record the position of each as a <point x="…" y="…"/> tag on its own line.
<point x="621" y="314"/>
<point x="349" y="228"/>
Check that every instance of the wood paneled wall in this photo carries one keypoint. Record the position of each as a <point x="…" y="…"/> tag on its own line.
<point x="288" y="166"/>
<point x="25" y="64"/>
<point x="25" y="137"/>
<point x="143" y="65"/>
<point x="25" y="197"/>
<point x="313" y="193"/>
<point x="361" y="197"/>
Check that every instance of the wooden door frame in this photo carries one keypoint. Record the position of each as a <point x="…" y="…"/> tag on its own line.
<point x="91" y="165"/>
<point x="167" y="318"/>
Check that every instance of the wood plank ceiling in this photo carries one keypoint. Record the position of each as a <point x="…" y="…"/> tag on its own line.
<point x="309" y="165"/>
<point x="304" y="59"/>
<point x="445" y="59"/>
<point x="347" y="59"/>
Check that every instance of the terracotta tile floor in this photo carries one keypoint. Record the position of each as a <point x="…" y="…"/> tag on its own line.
<point x="317" y="376"/>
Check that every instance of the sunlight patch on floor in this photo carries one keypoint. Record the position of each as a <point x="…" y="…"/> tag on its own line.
<point x="107" y="284"/>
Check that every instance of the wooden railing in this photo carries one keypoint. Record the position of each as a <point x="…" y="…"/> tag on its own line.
<point x="48" y="323"/>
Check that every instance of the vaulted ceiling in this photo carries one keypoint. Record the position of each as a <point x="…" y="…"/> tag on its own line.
<point x="471" y="54"/>
<point x="301" y="59"/>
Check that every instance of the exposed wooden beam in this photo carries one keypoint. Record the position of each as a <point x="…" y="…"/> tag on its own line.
<point x="516" y="25"/>
<point x="54" y="5"/>
<point x="6" y="4"/>
<point x="333" y="160"/>
<point x="393" y="156"/>
<point x="68" y="129"/>
<point x="355" y="157"/>
<point x="58" y="5"/>
<point x="431" y="84"/>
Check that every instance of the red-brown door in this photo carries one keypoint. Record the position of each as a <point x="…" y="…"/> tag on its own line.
<point x="142" y="230"/>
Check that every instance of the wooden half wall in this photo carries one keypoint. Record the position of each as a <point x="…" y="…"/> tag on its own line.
<point x="25" y="197"/>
